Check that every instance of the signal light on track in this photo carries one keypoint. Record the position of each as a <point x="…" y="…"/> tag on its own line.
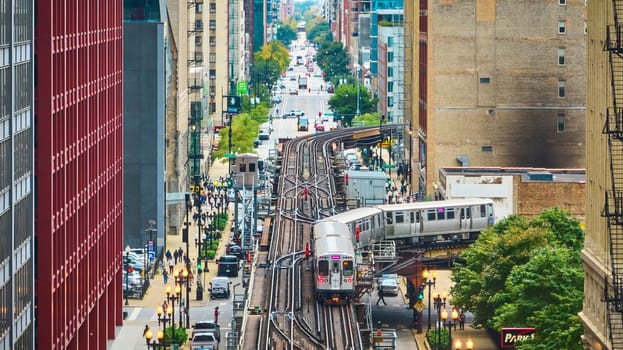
<point x="357" y="232"/>
<point x="307" y="253"/>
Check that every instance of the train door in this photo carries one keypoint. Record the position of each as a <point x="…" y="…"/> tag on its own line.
<point x="389" y="223"/>
<point x="416" y="221"/>
<point x="466" y="219"/>
<point x="335" y="275"/>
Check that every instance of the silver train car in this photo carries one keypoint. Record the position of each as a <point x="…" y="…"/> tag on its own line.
<point x="419" y="223"/>
<point x="333" y="262"/>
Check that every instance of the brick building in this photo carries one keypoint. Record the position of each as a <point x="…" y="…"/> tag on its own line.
<point x="495" y="85"/>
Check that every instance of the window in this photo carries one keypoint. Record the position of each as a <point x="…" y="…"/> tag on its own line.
<point x="390" y="86"/>
<point x="243" y="168"/>
<point x="198" y="40"/>
<point x="323" y="268"/>
<point x="390" y="71"/>
<point x="212" y="41"/>
<point x="252" y="167"/>
<point x="483" y="211"/>
<point x="390" y="56"/>
<point x="390" y="102"/>
<point x="562" y="2"/>
<point x="485" y="80"/>
<point x="212" y="58"/>
<point x="212" y="24"/>
<point x="388" y="218"/>
<point x="199" y="8"/>
<point x="399" y="217"/>
<point x="441" y="214"/>
<point x="561" y="123"/>
<point x="390" y="41"/>
<point x="450" y="213"/>
<point x="562" y="27"/>
<point x="561" y="88"/>
<point x="430" y="214"/>
<point x="198" y="25"/>
<point x="212" y="7"/>
<point x="212" y="74"/>
<point x="487" y="148"/>
<point x="561" y="56"/>
<point x="347" y="268"/>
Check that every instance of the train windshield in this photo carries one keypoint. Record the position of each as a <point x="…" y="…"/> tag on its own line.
<point x="347" y="268"/>
<point x="323" y="268"/>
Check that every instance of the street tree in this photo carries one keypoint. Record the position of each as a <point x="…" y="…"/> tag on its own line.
<point x="510" y="258"/>
<point x="318" y="31"/>
<point x="545" y="293"/>
<point x="332" y="59"/>
<point x="367" y="119"/>
<point x="286" y="32"/>
<point x="344" y="102"/>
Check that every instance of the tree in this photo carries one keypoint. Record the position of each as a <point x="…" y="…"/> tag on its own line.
<point x="367" y="119"/>
<point x="344" y="102"/>
<point x="318" y="31"/>
<point x="332" y="59"/>
<point x="526" y="273"/>
<point x="533" y="297"/>
<point x="286" y="33"/>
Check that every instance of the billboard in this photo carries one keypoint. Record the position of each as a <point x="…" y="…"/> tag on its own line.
<point x="510" y="336"/>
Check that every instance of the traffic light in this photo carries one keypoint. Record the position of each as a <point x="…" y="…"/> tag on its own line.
<point x="199" y="267"/>
<point x="307" y="252"/>
<point x="357" y="232"/>
<point x="229" y="183"/>
<point x="420" y="294"/>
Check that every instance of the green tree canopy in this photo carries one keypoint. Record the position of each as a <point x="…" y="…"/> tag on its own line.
<point x="286" y="32"/>
<point x="344" y="102"/>
<point x="318" y="31"/>
<point x="518" y="261"/>
<point x="332" y="59"/>
<point x="367" y="119"/>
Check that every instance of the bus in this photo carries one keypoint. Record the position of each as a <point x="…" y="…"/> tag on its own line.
<point x="303" y="123"/>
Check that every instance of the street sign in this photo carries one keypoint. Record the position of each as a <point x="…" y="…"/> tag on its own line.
<point x="389" y="166"/>
<point x="419" y="306"/>
<point x="151" y="251"/>
<point x="233" y="104"/>
<point x="230" y="155"/>
<point x="243" y="88"/>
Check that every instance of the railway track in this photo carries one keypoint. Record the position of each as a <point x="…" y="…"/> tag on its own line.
<point x="306" y="192"/>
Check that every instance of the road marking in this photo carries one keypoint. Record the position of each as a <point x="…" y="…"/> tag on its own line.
<point x="134" y="314"/>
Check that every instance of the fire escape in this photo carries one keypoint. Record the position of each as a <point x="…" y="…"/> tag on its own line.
<point x="613" y="210"/>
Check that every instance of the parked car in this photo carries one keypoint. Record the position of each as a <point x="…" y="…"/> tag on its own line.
<point x="207" y="327"/>
<point x="294" y="91"/>
<point x="204" y="341"/>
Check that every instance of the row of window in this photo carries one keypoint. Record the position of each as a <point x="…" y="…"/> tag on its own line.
<point x="398" y="217"/>
<point x="199" y="8"/>
<point x="347" y="267"/>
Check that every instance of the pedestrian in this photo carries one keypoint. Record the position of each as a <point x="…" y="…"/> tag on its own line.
<point x="165" y="276"/>
<point x="381" y="297"/>
<point x="462" y="320"/>
<point x="168" y="255"/>
<point x="174" y="256"/>
<point x="145" y="330"/>
<point x="180" y="254"/>
<point x="216" y="313"/>
<point x="171" y="265"/>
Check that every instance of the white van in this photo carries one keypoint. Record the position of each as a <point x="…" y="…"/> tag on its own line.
<point x="219" y="287"/>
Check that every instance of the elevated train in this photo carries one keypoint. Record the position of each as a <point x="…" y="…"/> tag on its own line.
<point x="419" y="223"/>
<point x="409" y="224"/>
<point x="333" y="262"/>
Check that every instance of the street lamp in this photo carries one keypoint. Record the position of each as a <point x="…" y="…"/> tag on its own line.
<point x="449" y="323"/>
<point x="429" y="283"/>
<point x="148" y="338"/>
<point x="469" y="345"/>
<point x="182" y="277"/>
<point x="380" y="149"/>
<point x="439" y="302"/>
<point x="172" y="297"/>
<point x="358" y="68"/>
<point x="164" y="316"/>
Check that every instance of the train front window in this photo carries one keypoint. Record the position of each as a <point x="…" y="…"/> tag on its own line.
<point x="388" y="218"/>
<point x="323" y="268"/>
<point x="336" y="267"/>
<point x="483" y="211"/>
<point x="347" y="268"/>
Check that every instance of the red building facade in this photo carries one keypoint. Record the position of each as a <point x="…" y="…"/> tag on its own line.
<point x="78" y="168"/>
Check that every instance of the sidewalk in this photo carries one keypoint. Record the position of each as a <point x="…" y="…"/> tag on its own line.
<point x="130" y="335"/>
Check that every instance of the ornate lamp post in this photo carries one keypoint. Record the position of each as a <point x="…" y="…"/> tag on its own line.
<point x="164" y="317"/>
<point x="172" y="297"/>
<point x="148" y="339"/>
<point x="469" y="345"/>
<point x="449" y="323"/>
<point x="429" y="283"/>
<point x="440" y="302"/>
<point x="182" y="278"/>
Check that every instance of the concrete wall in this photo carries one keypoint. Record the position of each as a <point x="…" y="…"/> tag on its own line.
<point x="143" y="131"/>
